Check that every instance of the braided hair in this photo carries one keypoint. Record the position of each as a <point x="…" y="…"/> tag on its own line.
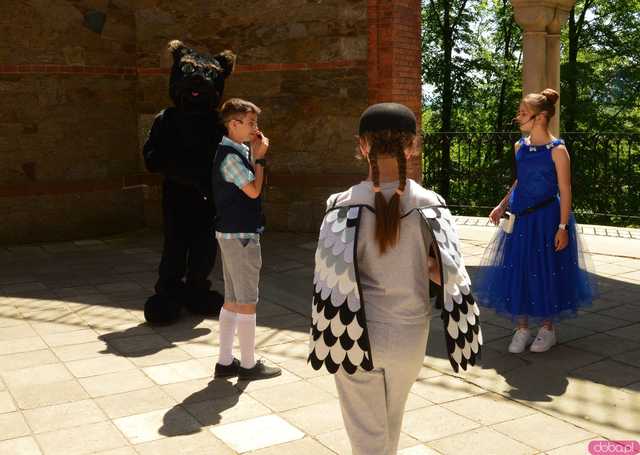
<point x="388" y="143"/>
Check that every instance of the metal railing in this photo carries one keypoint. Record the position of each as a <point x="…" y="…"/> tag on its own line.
<point x="480" y="168"/>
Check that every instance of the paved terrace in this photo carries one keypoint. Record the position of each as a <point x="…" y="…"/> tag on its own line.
<point x="81" y="372"/>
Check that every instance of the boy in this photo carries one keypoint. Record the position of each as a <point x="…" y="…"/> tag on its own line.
<point x="237" y="185"/>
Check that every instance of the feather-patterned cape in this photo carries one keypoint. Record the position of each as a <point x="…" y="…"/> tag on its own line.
<point x="339" y="337"/>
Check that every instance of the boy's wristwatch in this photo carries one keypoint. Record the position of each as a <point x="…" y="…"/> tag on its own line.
<point x="562" y="226"/>
<point x="262" y="162"/>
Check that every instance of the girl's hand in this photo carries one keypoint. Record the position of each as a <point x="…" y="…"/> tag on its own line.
<point x="562" y="239"/>
<point x="496" y="214"/>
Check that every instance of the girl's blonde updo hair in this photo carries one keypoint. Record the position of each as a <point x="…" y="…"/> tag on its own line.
<point x="543" y="102"/>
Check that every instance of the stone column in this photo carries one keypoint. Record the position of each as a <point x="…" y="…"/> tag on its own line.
<point x="553" y="61"/>
<point x="541" y="22"/>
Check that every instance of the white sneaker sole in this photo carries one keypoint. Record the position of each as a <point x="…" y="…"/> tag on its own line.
<point x="520" y="351"/>
<point x="542" y="348"/>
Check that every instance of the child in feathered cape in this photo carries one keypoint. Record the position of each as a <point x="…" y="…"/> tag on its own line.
<point x="381" y="241"/>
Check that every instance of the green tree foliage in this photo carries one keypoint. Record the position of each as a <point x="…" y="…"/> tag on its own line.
<point x="601" y="67"/>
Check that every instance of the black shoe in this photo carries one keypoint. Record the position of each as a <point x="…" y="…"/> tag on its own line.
<point x="259" y="371"/>
<point x="227" y="371"/>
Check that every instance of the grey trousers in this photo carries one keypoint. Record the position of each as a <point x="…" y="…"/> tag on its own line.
<point x="372" y="402"/>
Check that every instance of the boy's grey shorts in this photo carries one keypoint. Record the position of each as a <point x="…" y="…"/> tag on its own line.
<point x="241" y="263"/>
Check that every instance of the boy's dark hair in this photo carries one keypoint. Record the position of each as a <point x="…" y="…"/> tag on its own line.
<point x="236" y="107"/>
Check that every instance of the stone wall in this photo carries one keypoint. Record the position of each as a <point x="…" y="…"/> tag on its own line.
<point x="89" y="75"/>
<point x="68" y="120"/>
<point x="303" y="63"/>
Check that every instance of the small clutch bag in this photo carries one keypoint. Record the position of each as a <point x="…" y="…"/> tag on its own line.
<point x="507" y="221"/>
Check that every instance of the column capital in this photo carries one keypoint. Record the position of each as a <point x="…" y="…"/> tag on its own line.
<point x="540" y="15"/>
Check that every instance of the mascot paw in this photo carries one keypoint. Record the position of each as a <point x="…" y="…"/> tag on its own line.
<point x="204" y="302"/>
<point x="161" y="310"/>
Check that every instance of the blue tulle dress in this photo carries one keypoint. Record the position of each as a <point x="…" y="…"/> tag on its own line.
<point x="521" y="274"/>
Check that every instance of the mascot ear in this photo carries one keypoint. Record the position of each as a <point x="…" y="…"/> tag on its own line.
<point x="227" y="60"/>
<point x="177" y="49"/>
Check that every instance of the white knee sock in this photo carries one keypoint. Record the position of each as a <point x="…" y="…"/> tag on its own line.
<point x="247" y="337"/>
<point x="228" y="320"/>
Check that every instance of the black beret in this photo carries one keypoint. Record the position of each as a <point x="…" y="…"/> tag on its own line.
<point x="387" y="116"/>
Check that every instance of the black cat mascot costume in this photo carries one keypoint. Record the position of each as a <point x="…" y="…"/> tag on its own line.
<point x="181" y="146"/>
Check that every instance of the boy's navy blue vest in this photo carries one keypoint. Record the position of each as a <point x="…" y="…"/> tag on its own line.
<point x="236" y="212"/>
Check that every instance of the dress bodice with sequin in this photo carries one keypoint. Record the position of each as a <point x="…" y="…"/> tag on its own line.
<point x="537" y="178"/>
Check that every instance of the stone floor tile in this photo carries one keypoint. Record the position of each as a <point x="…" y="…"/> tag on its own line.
<point x="604" y="344"/>
<point x="121" y="286"/>
<point x="157" y="424"/>
<point x="21" y="345"/>
<point x="194" y="444"/>
<point x="488" y="409"/>
<point x="200" y="390"/>
<point x="316" y="419"/>
<point x="445" y="388"/>
<point x="610" y="372"/>
<point x="200" y="349"/>
<point x="326" y="382"/>
<point x="630" y="332"/>
<point x="16" y="332"/>
<point x="70" y="338"/>
<point x="81" y="440"/>
<point x="418" y="450"/>
<point x="36" y="376"/>
<point x="556" y="432"/>
<point x="286" y="351"/>
<point x="29" y="397"/>
<point x="596" y="322"/>
<point x="178" y="372"/>
<point x="629" y="313"/>
<point x="6" y="403"/>
<point x="162" y="357"/>
<point x="61" y="416"/>
<point x="484" y="441"/>
<point x="22" y="360"/>
<point x="139" y="345"/>
<point x="81" y="351"/>
<point x="301" y="446"/>
<point x="108" y="363"/>
<point x="338" y="441"/>
<point x="12" y="425"/>
<point x="265" y="431"/>
<point x="226" y="410"/>
<point x="20" y="446"/>
<point x="251" y="386"/>
<point x="435" y="422"/>
<point x="120" y="451"/>
<point x="579" y="448"/>
<point x="631" y="358"/>
<point x="290" y="396"/>
<point x="135" y="402"/>
<point x="112" y="383"/>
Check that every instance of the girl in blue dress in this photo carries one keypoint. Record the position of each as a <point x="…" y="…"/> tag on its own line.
<point x="537" y="271"/>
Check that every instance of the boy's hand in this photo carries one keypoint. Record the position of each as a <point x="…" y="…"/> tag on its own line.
<point x="259" y="145"/>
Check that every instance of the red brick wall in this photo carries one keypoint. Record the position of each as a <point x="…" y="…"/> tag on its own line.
<point x="394" y="57"/>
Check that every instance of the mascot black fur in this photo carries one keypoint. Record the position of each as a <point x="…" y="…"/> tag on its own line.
<point x="181" y="146"/>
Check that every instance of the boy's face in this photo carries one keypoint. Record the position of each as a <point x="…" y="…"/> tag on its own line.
<point x="244" y="128"/>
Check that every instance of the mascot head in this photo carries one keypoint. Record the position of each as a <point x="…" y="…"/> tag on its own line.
<point x="197" y="80"/>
